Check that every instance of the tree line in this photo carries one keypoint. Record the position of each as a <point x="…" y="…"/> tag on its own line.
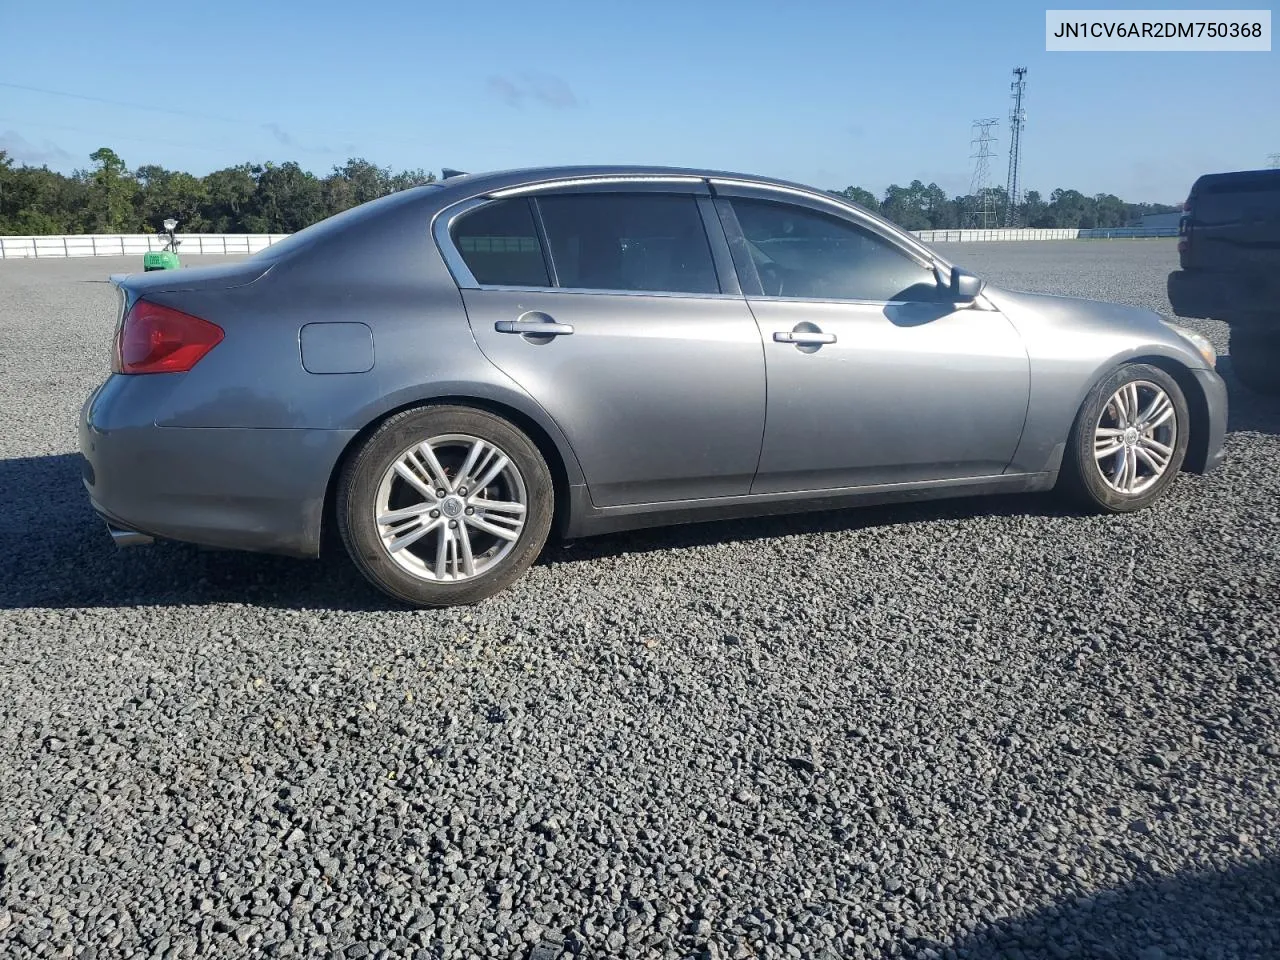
<point x="920" y="207"/>
<point x="283" y="198"/>
<point x="249" y="198"/>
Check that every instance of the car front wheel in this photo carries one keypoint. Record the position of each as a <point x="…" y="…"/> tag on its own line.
<point x="444" y="505"/>
<point x="1129" y="440"/>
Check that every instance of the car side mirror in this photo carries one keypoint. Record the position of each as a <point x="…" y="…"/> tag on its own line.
<point x="965" y="286"/>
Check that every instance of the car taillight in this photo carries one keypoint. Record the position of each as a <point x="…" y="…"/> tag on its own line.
<point x="158" y="339"/>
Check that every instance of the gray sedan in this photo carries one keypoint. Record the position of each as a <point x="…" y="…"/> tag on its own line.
<point x="448" y="373"/>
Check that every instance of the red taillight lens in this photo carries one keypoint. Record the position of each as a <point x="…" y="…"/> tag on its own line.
<point x="156" y="339"/>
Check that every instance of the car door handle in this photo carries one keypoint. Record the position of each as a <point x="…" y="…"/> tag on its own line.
<point x="804" y="338"/>
<point x="534" y="328"/>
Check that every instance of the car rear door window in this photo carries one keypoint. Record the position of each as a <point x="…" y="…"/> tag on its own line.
<point x="799" y="252"/>
<point x="616" y="241"/>
<point x="499" y="244"/>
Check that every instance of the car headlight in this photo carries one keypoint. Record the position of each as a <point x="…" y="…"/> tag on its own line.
<point x="1201" y="343"/>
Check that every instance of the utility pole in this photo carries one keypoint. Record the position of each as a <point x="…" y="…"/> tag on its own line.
<point x="984" y="214"/>
<point x="1017" y="120"/>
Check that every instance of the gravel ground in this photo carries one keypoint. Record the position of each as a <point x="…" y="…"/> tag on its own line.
<point x="984" y="729"/>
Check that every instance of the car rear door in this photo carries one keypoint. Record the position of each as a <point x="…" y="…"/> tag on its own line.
<point x="617" y="311"/>
<point x="874" y="377"/>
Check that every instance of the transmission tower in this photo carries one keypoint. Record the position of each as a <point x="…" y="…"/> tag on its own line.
<point x="984" y="214"/>
<point x="1017" y="120"/>
<point x="1273" y="161"/>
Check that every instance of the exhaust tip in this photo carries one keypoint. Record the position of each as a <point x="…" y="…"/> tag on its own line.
<point x="129" y="538"/>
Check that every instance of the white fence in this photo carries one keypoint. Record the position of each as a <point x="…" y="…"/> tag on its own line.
<point x="1004" y="233"/>
<point x="116" y="245"/>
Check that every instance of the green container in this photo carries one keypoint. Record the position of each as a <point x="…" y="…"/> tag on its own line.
<point x="160" y="260"/>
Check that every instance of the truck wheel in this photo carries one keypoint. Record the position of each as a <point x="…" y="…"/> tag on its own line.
<point x="1255" y="358"/>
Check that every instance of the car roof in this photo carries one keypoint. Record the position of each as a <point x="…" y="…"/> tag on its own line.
<point x="521" y="176"/>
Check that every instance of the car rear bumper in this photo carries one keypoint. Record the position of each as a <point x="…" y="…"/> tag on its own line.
<point x="1222" y="296"/>
<point x="237" y="488"/>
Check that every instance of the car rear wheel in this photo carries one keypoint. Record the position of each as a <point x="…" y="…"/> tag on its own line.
<point x="1129" y="440"/>
<point x="444" y="505"/>
<point x="1255" y="358"/>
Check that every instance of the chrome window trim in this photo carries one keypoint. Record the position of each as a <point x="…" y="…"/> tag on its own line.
<point x="527" y="188"/>
<point x="843" y="301"/>
<point x="580" y="291"/>
<point x="908" y="244"/>
<point x="442" y="224"/>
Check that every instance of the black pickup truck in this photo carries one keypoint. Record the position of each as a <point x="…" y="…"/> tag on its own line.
<point x="1229" y="251"/>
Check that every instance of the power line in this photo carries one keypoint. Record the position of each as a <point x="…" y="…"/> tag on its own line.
<point x="120" y="103"/>
<point x="112" y="135"/>
<point x="196" y="115"/>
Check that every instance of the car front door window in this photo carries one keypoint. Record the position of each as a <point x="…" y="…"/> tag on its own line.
<point x="802" y="253"/>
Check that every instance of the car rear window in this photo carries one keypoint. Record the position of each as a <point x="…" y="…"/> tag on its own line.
<point x="619" y="241"/>
<point x="499" y="244"/>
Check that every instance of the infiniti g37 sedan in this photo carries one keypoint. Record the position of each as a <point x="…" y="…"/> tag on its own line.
<point x="448" y="374"/>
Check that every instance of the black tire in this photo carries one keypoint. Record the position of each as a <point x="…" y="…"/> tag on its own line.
<point x="361" y="479"/>
<point x="1255" y="358"/>
<point x="1082" y="475"/>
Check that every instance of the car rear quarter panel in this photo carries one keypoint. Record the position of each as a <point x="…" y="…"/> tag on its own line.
<point x="1072" y="345"/>
<point x="384" y="272"/>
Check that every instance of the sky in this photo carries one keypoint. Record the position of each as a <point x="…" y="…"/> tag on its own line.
<point x="830" y="94"/>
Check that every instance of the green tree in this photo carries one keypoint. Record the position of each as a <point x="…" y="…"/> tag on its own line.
<point x="286" y="199"/>
<point x="905" y="206"/>
<point x="1034" y="211"/>
<point x="863" y="198"/>
<point x="936" y="207"/>
<point x="229" y="199"/>
<point x="169" y="193"/>
<point x="36" y="200"/>
<point x="1068" y="208"/>
<point x="411" y="178"/>
<point x="1108" y="210"/>
<point x="111" y="192"/>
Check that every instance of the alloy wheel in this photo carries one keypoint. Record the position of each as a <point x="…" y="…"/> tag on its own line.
<point x="1135" y="437"/>
<point x="450" y="508"/>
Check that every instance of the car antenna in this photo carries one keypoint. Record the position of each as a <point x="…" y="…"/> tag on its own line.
<point x="447" y="173"/>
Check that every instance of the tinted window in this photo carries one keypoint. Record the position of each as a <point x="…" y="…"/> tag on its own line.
<point x="500" y="245"/>
<point x="804" y="253"/>
<point x="644" y="241"/>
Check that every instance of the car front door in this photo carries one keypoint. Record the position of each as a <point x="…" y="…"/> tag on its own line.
<point x="611" y="307"/>
<point x="874" y="376"/>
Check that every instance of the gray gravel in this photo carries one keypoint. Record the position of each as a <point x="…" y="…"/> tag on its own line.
<point x="980" y="729"/>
